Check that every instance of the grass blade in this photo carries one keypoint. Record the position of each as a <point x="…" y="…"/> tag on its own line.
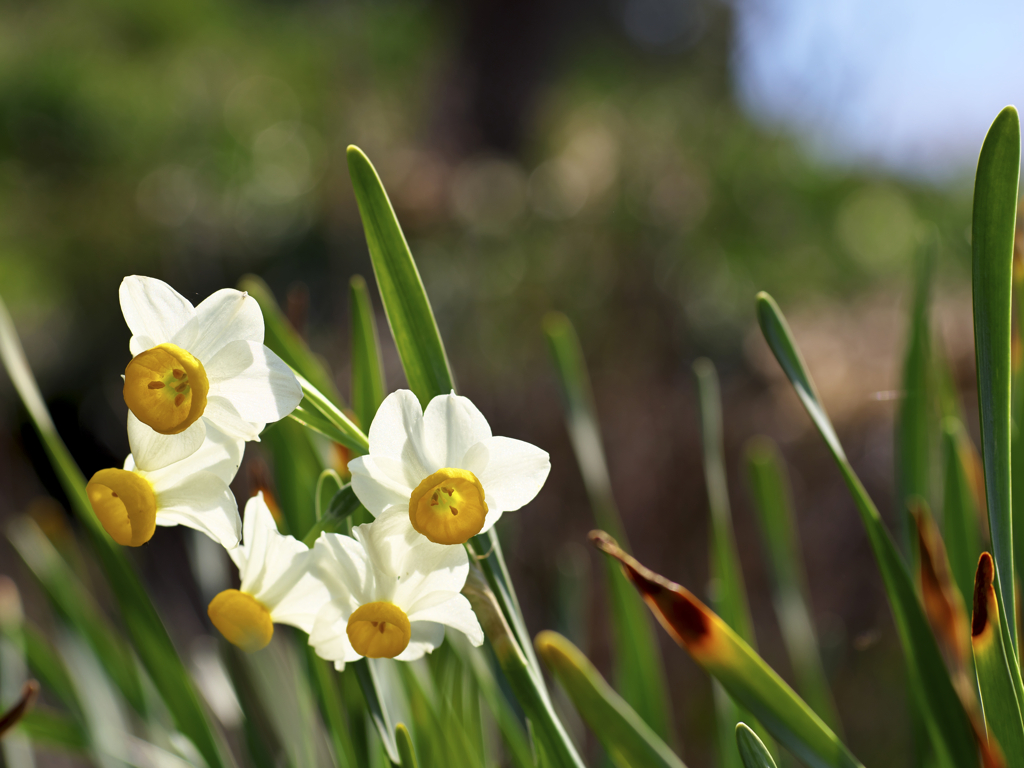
<point x="401" y="289"/>
<point x="960" y="514"/>
<point x="622" y="732"/>
<point x="729" y="599"/>
<point x="947" y="723"/>
<point x="639" y="670"/>
<point x="370" y="685"/>
<point x="772" y="500"/>
<point x="297" y="467"/>
<point x="147" y="632"/>
<point x="999" y="699"/>
<point x="715" y="646"/>
<point x="78" y="608"/>
<point x="406" y="753"/>
<point x="315" y="402"/>
<point x="285" y="341"/>
<point x="913" y="439"/>
<point x="368" y="388"/>
<point x="551" y="736"/>
<point x="753" y="752"/>
<point x="992" y="234"/>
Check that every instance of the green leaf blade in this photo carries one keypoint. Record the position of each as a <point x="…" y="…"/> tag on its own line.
<point x="753" y="752"/>
<point x="639" y="668"/>
<point x="148" y="635"/>
<point x="770" y="487"/>
<point x="622" y="732"/>
<point x="401" y="289"/>
<point x="945" y="717"/>
<point x="368" y="388"/>
<point x="992" y="235"/>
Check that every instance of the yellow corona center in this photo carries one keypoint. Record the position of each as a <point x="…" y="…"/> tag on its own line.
<point x="166" y="388"/>
<point x="379" y="630"/>
<point x="448" y="507"/>
<point x="125" y="504"/>
<point x="242" y="619"/>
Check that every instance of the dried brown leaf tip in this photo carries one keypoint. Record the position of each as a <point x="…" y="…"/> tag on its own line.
<point x="984" y="595"/>
<point x="942" y="602"/>
<point x="684" y="617"/>
<point x="10" y="718"/>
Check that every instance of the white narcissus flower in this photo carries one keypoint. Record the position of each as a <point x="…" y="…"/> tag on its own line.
<point x="278" y="586"/>
<point x="392" y="593"/>
<point x="194" y="492"/>
<point x="443" y="466"/>
<point x="198" y="366"/>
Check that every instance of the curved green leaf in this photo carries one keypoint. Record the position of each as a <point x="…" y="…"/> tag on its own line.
<point x="639" y="671"/>
<point x="945" y="718"/>
<point x="753" y="752"/>
<point x="147" y="632"/>
<point x="992" y="233"/>
<point x="401" y="289"/>
<point x="749" y="680"/>
<point x="627" y="739"/>
<point x="770" y="488"/>
<point x="367" y="372"/>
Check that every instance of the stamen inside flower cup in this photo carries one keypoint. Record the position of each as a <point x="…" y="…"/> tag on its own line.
<point x="448" y="507"/>
<point x="125" y="504"/>
<point x="166" y="388"/>
<point x="379" y="630"/>
<point x="242" y="619"/>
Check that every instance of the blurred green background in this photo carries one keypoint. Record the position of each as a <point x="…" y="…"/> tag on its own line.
<point x="541" y="156"/>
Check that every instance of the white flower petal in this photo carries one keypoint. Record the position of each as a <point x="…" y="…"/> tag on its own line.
<point x="302" y="601"/>
<point x="425" y="637"/>
<point x="153" y="311"/>
<point x="223" y="416"/>
<point x="451" y="424"/>
<point x="397" y="433"/>
<point x="151" y="450"/>
<point x="219" y="454"/>
<point x="341" y="564"/>
<point x="329" y="637"/>
<point x="511" y="471"/>
<point x="456" y="613"/>
<point x="278" y="569"/>
<point x="225" y="316"/>
<point x="203" y="501"/>
<point x="260" y="386"/>
<point x="375" y="487"/>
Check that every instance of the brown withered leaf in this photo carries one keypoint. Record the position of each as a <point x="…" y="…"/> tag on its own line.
<point x="10" y="718"/>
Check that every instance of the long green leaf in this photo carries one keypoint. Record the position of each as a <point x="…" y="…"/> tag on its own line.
<point x="406" y="753"/>
<point x="401" y="289"/>
<point x="500" y="707"/>
<point x="729" y="599"/>
<point x="960" y="515"/>
<point x="370" y="685"/>
<point x="913" y="445"/>
<point x="749" y="680"/>
<point x="627" y="739"/>
<point x="283" y="339"/>
<point x="753" y="752"/>
<point x="367" y="371"/>
<point x="552" y="739"/>
<point x="313" y="400"/>
<point x="78" y="607"/>
<point x="147" y="632"/>
<point x="297" y="467"/>
<point x="998" y="697"/>
<point x="946" y="720"/>
<point x="639" y="670"/>
<point x="55" y="730"/>
<point x="772" y="501"/>
<point x="992" y="233"/>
